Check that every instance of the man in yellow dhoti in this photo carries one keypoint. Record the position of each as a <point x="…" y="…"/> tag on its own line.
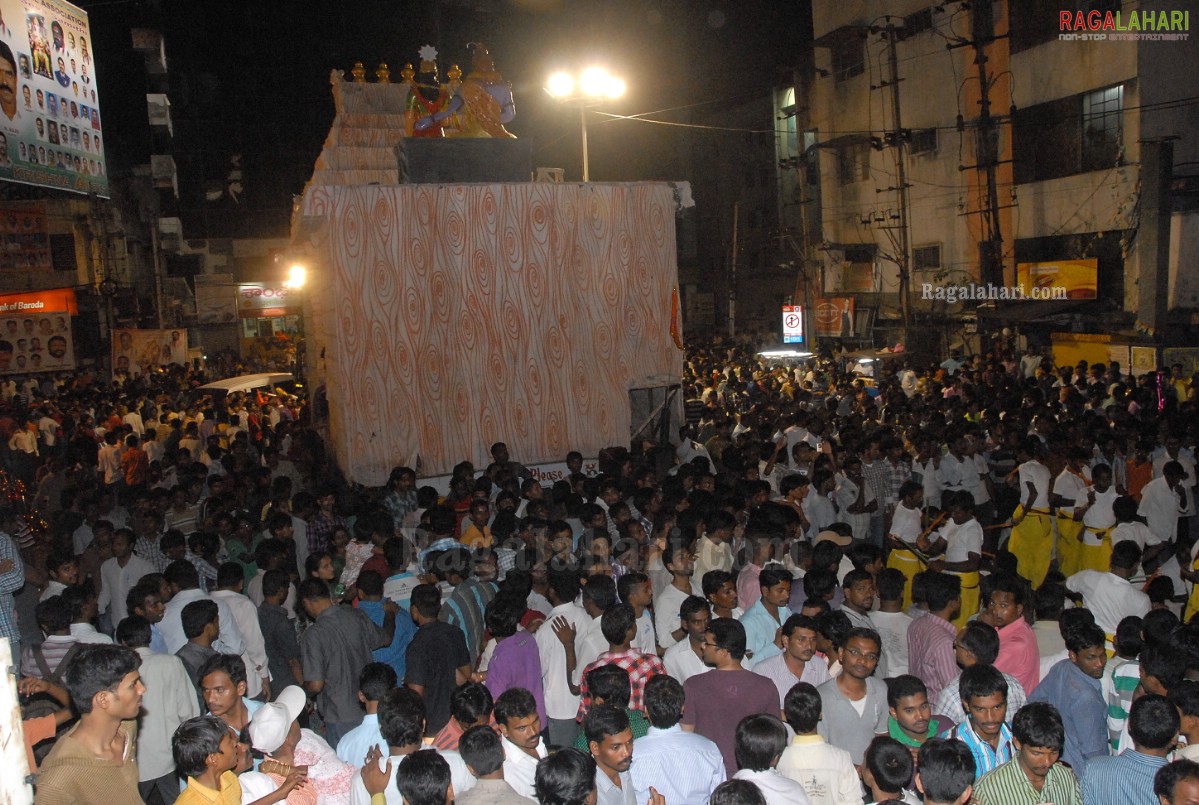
<point x="963" y="536"/>
<point x="1098" y="519"/>
<point x="1032" y="525"/>
<point x="1070" y="494"/>
<point x="904" y="533"/>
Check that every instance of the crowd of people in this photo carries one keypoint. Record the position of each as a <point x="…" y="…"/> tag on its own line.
<point x="970" y="581"/>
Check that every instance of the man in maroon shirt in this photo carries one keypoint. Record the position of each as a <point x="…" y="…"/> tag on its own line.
<point x="719" y="699"/>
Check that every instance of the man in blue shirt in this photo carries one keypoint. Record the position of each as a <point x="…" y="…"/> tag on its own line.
<point x="1127" y="779"/>
<point x="682" y="766"/>
<point x="370" y="601"/>
<point x="374" y="682"/>
<point x="985" y="731"/>
<point x="1073" y="687"/>
<point x="765" y="619"/>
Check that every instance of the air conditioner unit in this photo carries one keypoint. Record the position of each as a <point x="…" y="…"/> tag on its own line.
<point x="158" y="107"/>
<point x="162" y="171"/>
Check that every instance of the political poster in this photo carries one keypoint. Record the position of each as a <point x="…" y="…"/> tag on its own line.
<point x="24" y="237"/>
<point x="136" y="352"/>
<point x="51" y="132"/>
<point x="35" y="332"/>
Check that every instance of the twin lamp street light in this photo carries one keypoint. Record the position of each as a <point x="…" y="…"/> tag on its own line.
<point x="591" y="88"/>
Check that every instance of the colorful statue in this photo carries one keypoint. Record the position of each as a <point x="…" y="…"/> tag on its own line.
<point x="427" y="99"/>
<point x="483" y="104"/>
<point x="454" y="122"/>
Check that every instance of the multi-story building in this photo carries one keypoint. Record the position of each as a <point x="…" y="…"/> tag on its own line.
<point x="955" y="141"/>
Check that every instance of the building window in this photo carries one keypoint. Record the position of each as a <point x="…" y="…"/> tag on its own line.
<point x="1069" y="135"/>
<point x="924" y="141"/>
<point x="853" y="162"/>
<point x="62" y="253"/>
<point x="1102" y="127"/>
<point x="849" y="58"/>
<point x="918" y="22"/>
<point x="1035" y="22"/>
<point x="926" y="258"/>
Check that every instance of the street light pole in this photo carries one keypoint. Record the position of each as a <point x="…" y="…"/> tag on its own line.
<point x="583" y="127"/>
<point x="591" y="87"/>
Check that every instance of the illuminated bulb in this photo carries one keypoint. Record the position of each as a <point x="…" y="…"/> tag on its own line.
<point x="296" y="276"/>
<point x="560" y="85"/>
<point x="594" y="81"/>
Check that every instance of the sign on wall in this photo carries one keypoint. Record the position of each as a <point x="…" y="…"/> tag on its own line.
<point x="793" y="332"/>
<point x="35" y="332"/>
<point x="834" y="317"/>
<point x="258" y="299"/>
<point x="24" y="240"/>
<point x="1059" y="279"/>
<point x="50" y="128"/>
<point x="137" y="352"/>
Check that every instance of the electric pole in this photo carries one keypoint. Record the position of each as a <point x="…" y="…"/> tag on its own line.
<point x="899" y="141"/>
<point x="991" y="257"/>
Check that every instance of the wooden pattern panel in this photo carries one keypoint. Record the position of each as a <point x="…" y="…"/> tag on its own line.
<point x="468" y="314"/>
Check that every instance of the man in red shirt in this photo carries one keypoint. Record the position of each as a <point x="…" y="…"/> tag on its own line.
<point x="619" y="625"/>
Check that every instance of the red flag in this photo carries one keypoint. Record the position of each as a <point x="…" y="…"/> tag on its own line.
<point x="676" y="329"/>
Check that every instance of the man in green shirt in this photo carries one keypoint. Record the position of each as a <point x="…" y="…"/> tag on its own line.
<point x="911" y="720"/>
<point x="1034" y="775"/>
<point x="609" y="684"/>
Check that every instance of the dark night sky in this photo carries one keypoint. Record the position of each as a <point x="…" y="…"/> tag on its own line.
<point x="252" y="77"/>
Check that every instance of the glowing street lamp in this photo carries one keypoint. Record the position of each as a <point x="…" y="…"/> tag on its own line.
<point x="592" y="87"/>
<point x="297" y="275"/>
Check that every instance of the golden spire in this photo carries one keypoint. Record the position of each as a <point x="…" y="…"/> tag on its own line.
<point x="359" y="73"/>
<point x="382" y="73"/>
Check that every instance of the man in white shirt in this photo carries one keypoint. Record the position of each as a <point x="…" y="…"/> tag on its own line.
<point x="169" y="700"/>
<point x="684" y="659"/>
<point x="230" y="579"/>
<point x="561" y="705"/>
<point x="119" y="574"/>
<point x="679" y="560"/>
<point x="154" y="449"/>
<point x="761" y="740"/>
<point x="184" y="581"/>
<point x="714" y="552"/>
<point x="1032" y="528"/>
<point x="1109" y="595"/>
<point x="610" y="739"/>
<point x="682" y="766"/>
<point x="1098" y="519"/>
<point x="403" y="725"/>
<point x="1163" y="501"/>
<point x="520" y="727"/>
<point x="598" y="597"/>
<point x="891" y="621"/>
<point x="957" y="469"/>
<point x="819" y="509"/>
<point x="47" y="428"/>
<point x="826" y="772"/>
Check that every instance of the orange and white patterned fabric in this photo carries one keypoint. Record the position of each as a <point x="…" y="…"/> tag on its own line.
<point x="443" y="318"/>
